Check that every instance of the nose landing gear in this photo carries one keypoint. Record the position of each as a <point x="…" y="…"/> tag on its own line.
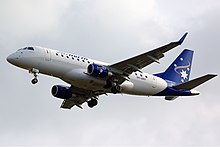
<point x="34" y="81"/>
<point x="34" y="72"/>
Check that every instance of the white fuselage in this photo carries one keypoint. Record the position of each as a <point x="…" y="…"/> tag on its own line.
<point x="73" y="70"/>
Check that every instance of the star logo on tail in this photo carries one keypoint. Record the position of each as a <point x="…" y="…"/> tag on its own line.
<point x="182" y="70"/>
<point x="184" y="75"/>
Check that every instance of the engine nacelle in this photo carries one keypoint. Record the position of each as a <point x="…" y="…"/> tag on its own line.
<point x="98" y="71"/>
<point x="62" y="92"/>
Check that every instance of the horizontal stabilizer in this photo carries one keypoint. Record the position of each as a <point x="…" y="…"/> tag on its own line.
<point x="195" y="82"/>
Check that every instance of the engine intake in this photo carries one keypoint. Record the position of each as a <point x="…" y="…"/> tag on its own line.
<point x="62" y="92"/>
<point x="98" y="71"/>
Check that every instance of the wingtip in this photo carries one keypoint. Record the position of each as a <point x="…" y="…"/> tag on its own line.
<point x="182" y="38"/>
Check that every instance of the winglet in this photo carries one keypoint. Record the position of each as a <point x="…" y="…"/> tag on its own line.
<point x="183" y="38"/>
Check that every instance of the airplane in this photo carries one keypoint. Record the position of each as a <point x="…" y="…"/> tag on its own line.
<point x="89" y="78"/>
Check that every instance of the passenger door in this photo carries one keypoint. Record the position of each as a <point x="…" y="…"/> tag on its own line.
<point x="47" y="55"/>
<point x="154" y="82"/>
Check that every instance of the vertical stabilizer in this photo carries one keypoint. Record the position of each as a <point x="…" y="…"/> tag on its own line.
<point x="179" y="70"/>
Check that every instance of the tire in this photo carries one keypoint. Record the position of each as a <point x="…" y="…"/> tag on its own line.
<point x="34" y="81"/>
<point x="92" y="103"/>
<point x="116" y="89"/>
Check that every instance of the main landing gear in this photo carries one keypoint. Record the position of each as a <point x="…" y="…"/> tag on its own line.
<point x="91" y="103"/>
<point x="34" y="72"/>
<point x="114" y="87"/>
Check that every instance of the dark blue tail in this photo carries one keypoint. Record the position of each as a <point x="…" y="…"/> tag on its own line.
<point x="179" y="70"/>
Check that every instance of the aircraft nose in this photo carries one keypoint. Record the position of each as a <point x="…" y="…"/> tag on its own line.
<point x="11" y="58"/>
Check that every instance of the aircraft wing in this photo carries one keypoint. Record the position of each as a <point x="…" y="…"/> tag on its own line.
<point x="136" y="63"/>
<point x="80" y="97"/>
<point x="69" y="103"/>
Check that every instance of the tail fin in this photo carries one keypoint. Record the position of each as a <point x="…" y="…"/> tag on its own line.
<point x="179" y="70"/>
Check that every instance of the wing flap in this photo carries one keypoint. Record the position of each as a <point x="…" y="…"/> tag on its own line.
<point x="67" y="104"/>
<point x="79" y="97"/>
<point x="195" y="82"/>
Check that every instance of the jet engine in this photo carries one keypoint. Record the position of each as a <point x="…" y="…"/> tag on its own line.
<point x="62" y="92"/>
<point x="98" y="71"/>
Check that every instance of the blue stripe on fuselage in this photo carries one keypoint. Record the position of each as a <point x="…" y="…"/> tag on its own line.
<point x="171" y="91"/>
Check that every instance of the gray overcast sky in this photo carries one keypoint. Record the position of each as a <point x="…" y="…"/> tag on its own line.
<point x="109" y="31"/>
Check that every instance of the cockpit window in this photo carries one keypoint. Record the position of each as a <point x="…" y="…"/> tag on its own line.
<point x="27" y="48"/>
<point x="30" y="48"/>
<point x="21" y="49"/>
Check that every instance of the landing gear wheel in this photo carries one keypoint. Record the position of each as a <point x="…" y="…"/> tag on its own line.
<point x="34" y="81"/>
<point x="92" y="103"/>
<point x="116" y="89"/>
<point x="34" y="72"/>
